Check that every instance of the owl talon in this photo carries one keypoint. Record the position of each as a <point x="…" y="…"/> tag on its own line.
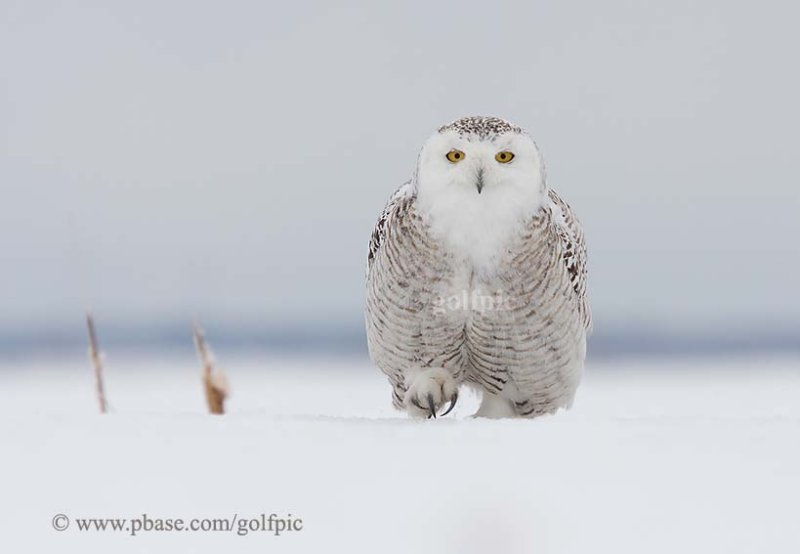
<point x="453" y="400"/>
<point x="432" y="406"/>
<point x="416" y="403"/>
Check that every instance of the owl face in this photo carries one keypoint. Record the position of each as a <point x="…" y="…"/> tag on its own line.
<point x="481" y="158"/>
<point x="478" y="179"/>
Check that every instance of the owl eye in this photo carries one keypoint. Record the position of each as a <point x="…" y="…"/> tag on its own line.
<point x="504" y="157"/>
<point x="455" y="156"/>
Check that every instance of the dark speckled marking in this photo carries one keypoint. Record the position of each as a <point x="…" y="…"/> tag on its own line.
<point x="483" y="127"/>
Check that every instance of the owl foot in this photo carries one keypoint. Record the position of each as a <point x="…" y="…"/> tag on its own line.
<point x="428" y="392"/>
<point x="495" y="407"/>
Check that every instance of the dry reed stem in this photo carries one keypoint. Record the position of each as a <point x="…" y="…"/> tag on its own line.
<point x="214" y="384"/>
<point x="97" y="361"/>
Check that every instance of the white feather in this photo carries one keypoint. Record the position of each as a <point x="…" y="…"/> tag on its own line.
<point x="479" y="225"/>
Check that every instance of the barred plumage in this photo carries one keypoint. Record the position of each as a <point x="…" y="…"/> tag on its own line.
<point x="440" y="314"/>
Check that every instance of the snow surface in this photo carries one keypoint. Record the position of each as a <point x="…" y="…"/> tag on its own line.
<point x="669" y="455"/>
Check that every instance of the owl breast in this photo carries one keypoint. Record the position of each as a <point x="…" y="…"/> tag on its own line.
<point x="511" y="327"/>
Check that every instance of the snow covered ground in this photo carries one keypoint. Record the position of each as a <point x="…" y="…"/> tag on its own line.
<point x="669" y="455"/>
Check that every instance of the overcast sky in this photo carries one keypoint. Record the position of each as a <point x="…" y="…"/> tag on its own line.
<point x="165" y="159"/>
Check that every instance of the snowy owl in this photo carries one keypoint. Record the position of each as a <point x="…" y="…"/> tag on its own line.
<point x="476" y="275"/>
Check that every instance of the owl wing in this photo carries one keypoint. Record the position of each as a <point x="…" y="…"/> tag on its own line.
<point x="574" y="256"/>
<point x="379" y="232"/>
<point x="387" y="306"/>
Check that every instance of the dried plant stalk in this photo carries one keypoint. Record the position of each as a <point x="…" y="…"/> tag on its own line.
<point x="97" y="361"/>
<point x="214" y="381"/>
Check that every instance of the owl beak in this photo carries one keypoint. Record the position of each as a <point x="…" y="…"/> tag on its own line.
<point x="479" y="183"/>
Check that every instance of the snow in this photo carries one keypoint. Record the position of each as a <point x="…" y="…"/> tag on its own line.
<point x="668" y="455"/>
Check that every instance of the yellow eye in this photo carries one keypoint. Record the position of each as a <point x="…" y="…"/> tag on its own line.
<point x="455" y="156"/>
<point x="504" y="157"/>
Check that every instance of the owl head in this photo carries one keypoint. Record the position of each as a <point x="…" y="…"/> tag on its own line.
<point x="481" y="158"/>
<point x="477" y="177"/>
